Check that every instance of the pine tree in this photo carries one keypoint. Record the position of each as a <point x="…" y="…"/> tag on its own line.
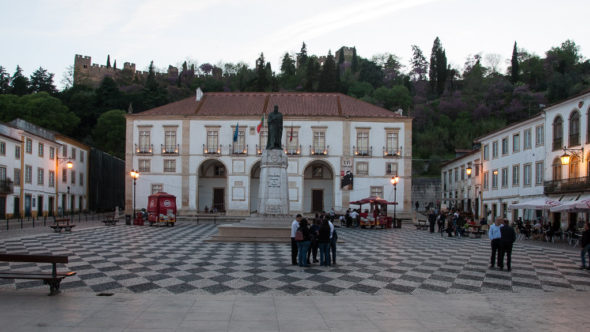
<point x="329" y="75"/>
<point x="41" y="80"/>
<point x="354" y="64"/>
<point x="109" y="61"/>
<point x="514" y="70"/>
<point x="115" y="64"/>
<point x="419" y="64"/>
<point x="287" y="66"/>
<point x="302" y="56"/>
<point x="311" y="74"/>
<point x="19" y="85"/>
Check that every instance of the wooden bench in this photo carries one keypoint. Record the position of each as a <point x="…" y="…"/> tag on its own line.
<point x="63" y="223"/>
<point x="52" y="279"/>
<point x="110" y="221"/>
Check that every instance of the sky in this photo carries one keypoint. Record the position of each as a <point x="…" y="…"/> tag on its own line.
<point x="50" y="33"/>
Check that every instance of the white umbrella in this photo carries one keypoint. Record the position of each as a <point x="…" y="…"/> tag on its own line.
<point x="583" y="203"/>
<point x="542" y="203"/>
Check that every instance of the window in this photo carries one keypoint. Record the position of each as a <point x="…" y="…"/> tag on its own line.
<point x="41" y="148"/>
<point x="574" y="129"/>
<point x="574" y="167"/>
<point x="219" y="171"/>
<point x="239" y="146"/>
<point x="17" y="176"/>
<point x="557" y="133"/>
<point x="526" y="175"/>
<point x="362" y="143"/>
<point x="486" y="152"/>
<point x="293" y="141"/>
<point x="144" y="141"/>
<point x="28" y="174"/>
<point x="169" y="165"/>
<point x="540" y="135"/>
<point x="462" y="172"/>
<point x="81" y="156"/>
<point x="527" y="139"/>
<point x="73" y="153"/>
<point x="377" y="191"/>
<point x="505" y="146"/>
<point x="495" y="179"/>
<point x="169" y="140"/>
<point x="64" y="175"/>
<point x="64" y="150"/>
<point x="29" y="145"/>
<point x="391" y="168"/>
<point x="477" y="166"/>
<point x="144" y="165"/>
<point x="51" y="152"/>
<point x="2" y="173"/>
<point x="515" y="143"/>
<point x="212" y="141"/>
<point x="515" y="175"/>
<point x="319" y="142"/>
<point x="495" y="149"/>
<point x="73" y="177"/>
<point x="157" y="188"/>
<point x="317" y="172"/>
<point x="51" y="178"/>
<point x="263" y="138"/>
<point x="505" y="177"/>
<point x="556" y="169"/>
<point x="17" y="152"/>
<point x="362" y="168"/>
<point x="40" y="176"/>
<point x="486" y="180"/>
<point x="2" y="148"/>
<point x="392" y="143"/>
<point x="456" y="174"/>
<point x="81" y="179"/>
<point x="539" y="170"/>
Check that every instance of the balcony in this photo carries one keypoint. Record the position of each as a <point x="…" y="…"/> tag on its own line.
<point x="365" y="151"/>
<point x="6" y="187"/>
<point x="292" y="150"/>
<point x="214" y="150"/>
<point x="239" y="149"/>
<point x="144" y="149"/>
<point x="318" y="150"/>
<point x="557" y="143"/>
<point x="567" y="185"/>
<point x="391" y="152"/>
<point x="574" y="140"/>
<point x="170" y="149"/>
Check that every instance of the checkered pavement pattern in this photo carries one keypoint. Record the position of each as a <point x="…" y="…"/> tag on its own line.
<point x="175" y="260"/>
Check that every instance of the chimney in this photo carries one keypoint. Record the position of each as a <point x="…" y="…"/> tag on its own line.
<point x="199" y="94"/>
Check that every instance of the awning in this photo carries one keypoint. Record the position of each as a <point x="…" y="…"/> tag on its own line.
<point x="542" y="203"/>
<point x="580" y="205"/>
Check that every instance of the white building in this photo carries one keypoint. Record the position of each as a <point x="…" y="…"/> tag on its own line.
<point x="461" y="183"/>
<point x="72" y="182"/>
<point x="187" y="149"/>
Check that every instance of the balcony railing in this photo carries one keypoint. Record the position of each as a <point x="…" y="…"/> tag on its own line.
<point x="391" y="152"/>
<point x="557" y="143"/>
<point x="239" y="149"/>
<point x="366" y="151"/>
<point x="292" y="150"/>
<point x="574" y="140"/>
<point x="170" y="149"/>
<point x="318" y="150"/>
<point x="212" y="149"/>
<point x="567" y="185"/>
<point x="144" y="149"/>
<point x="6" y="187"/>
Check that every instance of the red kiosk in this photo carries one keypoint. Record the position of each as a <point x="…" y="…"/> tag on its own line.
<point x="162" y="209"/>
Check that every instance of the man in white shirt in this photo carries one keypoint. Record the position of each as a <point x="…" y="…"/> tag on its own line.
<point x="333" y="240"/>
<point x="494" y="234"/>
<point x="354" y="215"/>
<point x="294" y="227"/>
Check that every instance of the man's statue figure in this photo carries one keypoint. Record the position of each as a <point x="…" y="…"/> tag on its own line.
<point x="275" y="130"/>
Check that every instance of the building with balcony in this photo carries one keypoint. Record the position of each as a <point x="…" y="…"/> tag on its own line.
<point x="461" y="186"/>
<point x="206" y="151"/>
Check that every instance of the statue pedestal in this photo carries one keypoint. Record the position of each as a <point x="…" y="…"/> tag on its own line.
<point x="272" y="223"/>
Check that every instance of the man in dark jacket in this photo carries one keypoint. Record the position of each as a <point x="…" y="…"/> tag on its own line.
<point x="585" y="244"/>
<point x="508" y="236"/>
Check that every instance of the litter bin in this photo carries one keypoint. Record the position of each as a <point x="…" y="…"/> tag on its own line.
<point x="398" y="223"/>
<point x="389" y="222"/>
<point x="127" y="219"/>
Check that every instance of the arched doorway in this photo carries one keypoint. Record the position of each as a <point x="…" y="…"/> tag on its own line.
<point x="318" y="187"/>
<point x="212" y="184"/>
<point x="254" y="185"/>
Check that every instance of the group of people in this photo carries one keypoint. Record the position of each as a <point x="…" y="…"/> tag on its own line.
<point x="502" y="237"/>
<point x="453" y="223"/>
<point x="309" y="236"/>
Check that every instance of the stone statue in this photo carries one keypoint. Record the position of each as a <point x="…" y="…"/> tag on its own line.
<point x="275" y="130"/>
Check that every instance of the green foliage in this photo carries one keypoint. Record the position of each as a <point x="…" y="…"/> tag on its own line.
<point x="438" y="68"/>
<point x="41" y="80"/>
<point x="360" y="89"/>
<point x="19" y="85"/>
<point x="514" y="68"/>
<point x="329" y="77"/>
<point x="109" y="133"/>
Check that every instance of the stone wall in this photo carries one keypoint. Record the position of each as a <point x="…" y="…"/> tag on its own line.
<point x="426" y="191"/>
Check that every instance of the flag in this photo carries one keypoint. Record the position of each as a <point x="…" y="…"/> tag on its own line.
<point x="291" y="135"/>
<point x="261" y="124"/>
<point x="236" y="134"/>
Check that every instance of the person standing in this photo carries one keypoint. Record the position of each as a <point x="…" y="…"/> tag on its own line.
<point x="508" y="236"/>
<point x="313" y="234"/>
<point x="333" y="240"/>
<point x="585" y="244"/>
<point x="294" y="227"/>
<point x="431" y="220"/>
<point x="495" y="235"/>
<point x="324" y="243"/>
<point x="303" y="244"/>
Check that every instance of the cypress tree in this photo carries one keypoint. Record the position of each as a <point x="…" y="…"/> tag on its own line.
<point x="329" y="75"/>
<point x="115" y="64"/>
<point x="514" y="71"/>
<point x="302" y="56"/>
<point x="354" y="65"/>
<point x="109" y="61"/>
<point x="19" y="85"/>
<point x="311" y="74"/>
<point x="262" y="81"/>
<point x="438" y="67"/>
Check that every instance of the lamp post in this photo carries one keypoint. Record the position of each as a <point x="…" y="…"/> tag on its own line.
<point x="69" y="165"/>
<point x="394" y="181"/>
<point x="135" y="175"/>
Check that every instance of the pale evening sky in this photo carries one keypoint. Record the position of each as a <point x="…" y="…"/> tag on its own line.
<point x="50" y="33"/>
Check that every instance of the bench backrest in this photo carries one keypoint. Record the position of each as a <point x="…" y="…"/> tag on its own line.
<point x="33" y="258"/>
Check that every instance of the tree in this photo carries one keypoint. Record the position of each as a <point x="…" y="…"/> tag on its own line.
<point x="109" y="133"/>
<point x="4" y="81"/>
<point x="41" y="80"/>
<point x="354" y="63"/>
<point x="302" y="56"/>
<point x="370" y="72"/>
<point x="19" y="85"/>
<point x="115" y="64"/>
<point x="419" y="65"/>
<point x="153" y="94"/>
<point x="438" y="67"/>
<point x="262" y="81"/>
<point x="287" y="66"/>
<point x="329" y="75"/>
<point x="311" y="74"/>
<point x="514" y="69"/>
<point x="109" y="61"/>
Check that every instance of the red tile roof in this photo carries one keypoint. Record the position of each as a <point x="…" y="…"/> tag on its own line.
<point x="256" y="103"/>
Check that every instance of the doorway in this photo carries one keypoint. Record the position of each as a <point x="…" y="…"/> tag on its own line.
<point x="317" y="200"/>
<point x="27" y="205"/>
<point x="16" y="210"/>
<point x="50" y="206"/>
<point x="219" y="199"/>
<point x="39" y="206"/>
<point x="2" y="206"/>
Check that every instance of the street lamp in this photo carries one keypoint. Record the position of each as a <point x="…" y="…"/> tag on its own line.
<point x="565" y="158"/>
<point x="69" y="165"/>
<point x="135" y="175"/>
<point x="394" y="181"/>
